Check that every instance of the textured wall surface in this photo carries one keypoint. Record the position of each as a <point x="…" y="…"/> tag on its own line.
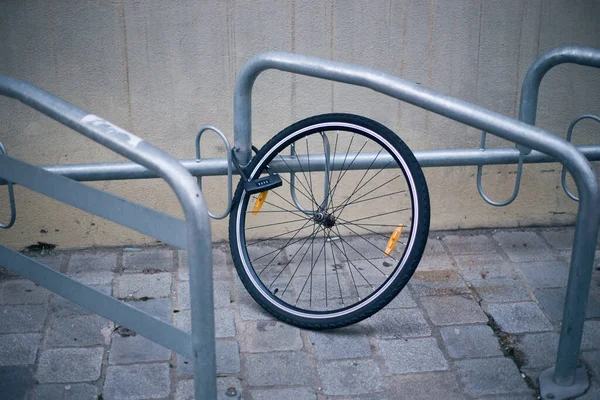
<point x="163" y="69"/>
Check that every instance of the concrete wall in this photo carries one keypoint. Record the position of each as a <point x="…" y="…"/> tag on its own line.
<point x="162" y="69"/>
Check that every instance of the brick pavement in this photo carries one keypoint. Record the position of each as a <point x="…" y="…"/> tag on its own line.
<point x="479" y="320"/>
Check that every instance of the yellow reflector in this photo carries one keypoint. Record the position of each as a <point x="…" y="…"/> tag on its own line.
<point x="393" y="240"/>
<point x="260" y="200"/>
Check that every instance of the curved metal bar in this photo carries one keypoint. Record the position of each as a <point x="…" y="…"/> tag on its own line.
<point x="586" y="56"/>
<point x="588" y="216"/>
<point x="563" y="177"/>
<point x="327" y="166"/>
<point x="293" y="184"/>
<point x="186" y="189"/>
<point x="517" y="180"/>
<point x="229" y="168"/>
<point x="11" y="198"/>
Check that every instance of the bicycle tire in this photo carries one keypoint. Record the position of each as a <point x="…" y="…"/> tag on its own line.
<point x="346" y="314"/>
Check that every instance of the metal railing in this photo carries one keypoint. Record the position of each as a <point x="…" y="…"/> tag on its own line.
<point x="193" y="234"/>
<point x="533" y="145"/>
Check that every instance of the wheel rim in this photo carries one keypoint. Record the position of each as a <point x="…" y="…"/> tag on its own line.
<point x="307" y="264"/>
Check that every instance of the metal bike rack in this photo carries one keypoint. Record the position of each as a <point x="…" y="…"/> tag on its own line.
<point x="567" y="378"/>
<point x="192" y="234"/>
<point x="533" y="145"/>
<point x="11" y="198"/>
<point x="563" y="175"/>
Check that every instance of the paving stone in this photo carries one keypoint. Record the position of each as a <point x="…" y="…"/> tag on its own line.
<point x="491" y="376"/>
<point x="469" y="244"/>
<point x="94" y="278"/>
<point x="21" y="291"/>
<point x="484" y="266"/>
<point x="404" y="299"/>
<point x="437" y="283"/>
<point x="53" y="260"/>
<point x="227" y="355"/>
<point x="394" y="324"/>
<point x="224" y="322"/>
<point x="266" y="336"/>
<point x="133" y="349"/>
<point x="137" y="381"/>
<point x="591" y="335"/>
<point x="453" y="310"/>
<point x="470" y="341"/>
<point x="348" y="342"/>
<point x="148" y="260"/>
<point x="540" y="349"/>
<point x="566" y="255"/>
<point x="435" y="262"/>
<point x="137" y="286"/>
<point x="78" y="391"/>
<point x="15" y="381"/>
<point x="426" y="386"/>
<point x="19" y="349"/>
<point x="560" y="239"/>
<point x="545" y="274"/>
<point x="593" y="393"/>
<point x="159" y="308"/>
<point x="592" y="359"/>
<point x="92" y="267"/>
<point x="185" y="389"/>
<point x="524" y="246"/>
<point x="22" y="318"/>
<point x="412" y="355"/>
<point x="265" y="369"/>
<point x="434" y="246"/>
<point x="70" y="365"/>
<point x="63" y="306"/>
<point x="350" y="377"/>
<point x="499" y="290"/>
<point x="222" y="263"/>
<point x="81" y="330"/>
<point x="249" y="309"/>
<point x="92" y="261"/>
<point x="553" y="303"/>
<point x="519" y="317"/>
<point x="284" y="393"/>
<point x="222" y="294"/>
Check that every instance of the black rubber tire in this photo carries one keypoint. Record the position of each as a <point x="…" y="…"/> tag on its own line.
<point x="413" y="257"/>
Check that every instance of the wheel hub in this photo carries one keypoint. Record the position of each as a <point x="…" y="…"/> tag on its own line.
<point x="325" y="219"/>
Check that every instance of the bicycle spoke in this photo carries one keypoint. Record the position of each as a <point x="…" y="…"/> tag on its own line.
<point x="352" y="265"/>
<point x="374" y="198"/>
<point x="293" y="186"/>
<point x="299" y="248"/>
<point x="347" y="169"/>
<point x="314" y="235"/>
<point x="279" y="223"/>
<point x="344" y="223"/>
<point x="325" y="265"/>
<point x="332" y="189"/>
<point x="365" y="258"/>
<point x="371" y="243"/>
<point x="371" y="191"/>
<point x="363" y="177"/>
<point x="310" y="176"/>
<point x="312" y="267"/>
<point x="335" y="267"/>
<point x="280" y="250"/>
<point x="379" y="215"/>
<point x="365" y="184"/>
<point x="273" y="237"/>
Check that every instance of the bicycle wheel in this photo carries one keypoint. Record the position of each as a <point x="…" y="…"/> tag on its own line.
<point x="343" y="234"/>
